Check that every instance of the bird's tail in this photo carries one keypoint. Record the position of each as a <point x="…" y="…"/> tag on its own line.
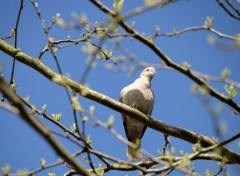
<point x="134" y="152"/>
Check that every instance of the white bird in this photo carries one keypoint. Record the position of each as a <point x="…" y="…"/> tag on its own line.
<point x="138" y="95"/>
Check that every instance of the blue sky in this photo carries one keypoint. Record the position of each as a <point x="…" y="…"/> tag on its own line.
<point x="22" y="147"/>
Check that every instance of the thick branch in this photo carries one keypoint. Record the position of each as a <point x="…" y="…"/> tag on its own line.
<point x="168" y="61"/>
<point x="39" y="127"/>
<point x="186" y="135"/>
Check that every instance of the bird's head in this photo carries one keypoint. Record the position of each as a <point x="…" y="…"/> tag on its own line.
<point x="148" y="72"/>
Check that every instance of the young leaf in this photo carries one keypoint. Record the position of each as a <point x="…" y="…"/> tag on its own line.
<point x="75" y="104"/>
<point x="110" y="121"/>
<point x="12" y="33"/>
<point x="74" y="127"/>
<point x="57" y="117"/>
<point x="225" y="73"/>
<point x="230" y="89"/>
<point x="85" y="119"/>
<point x="117" y="6"/>
<point x="88" y="139"/>
<point x="186" y="65"/>
<point x="157" y="30"/>
<point x="44" y="108"/>
<point x="5" y="169"/>
<point x="87" y="28"/>
<point x="26" y="98"/>
<point x="43" y="161"/>
<point x="91" y="110"/>
<point x="208" y="22"/>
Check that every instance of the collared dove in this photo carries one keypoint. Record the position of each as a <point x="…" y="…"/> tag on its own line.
<point x="140" y="96"/>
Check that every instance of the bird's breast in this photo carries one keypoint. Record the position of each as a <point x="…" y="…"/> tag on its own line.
<point x="140" y="99"/>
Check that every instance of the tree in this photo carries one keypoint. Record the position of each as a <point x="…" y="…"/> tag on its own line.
<point x="61" y="61"/>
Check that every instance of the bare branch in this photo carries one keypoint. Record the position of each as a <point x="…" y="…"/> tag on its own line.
<point x="140" y="10"/>
<point x="237" y="17"/>
<point x="189" y="136"/>
<point x="16" y="38"/>
<point x="168" y="61"/>
<point x="39" y="127"/>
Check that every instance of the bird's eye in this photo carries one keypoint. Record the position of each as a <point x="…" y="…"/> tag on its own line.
<point x="147" y="70"/>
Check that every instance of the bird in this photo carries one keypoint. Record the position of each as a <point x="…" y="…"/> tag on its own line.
<point x="138" y="95"/>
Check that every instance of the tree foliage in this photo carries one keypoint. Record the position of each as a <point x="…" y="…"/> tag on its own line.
<point x="106" y="42"/>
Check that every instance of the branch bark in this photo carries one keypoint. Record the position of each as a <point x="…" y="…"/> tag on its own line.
<point x="39" y="127"/>
<point x="186" y="135"/>
<point x="168" y="61"/>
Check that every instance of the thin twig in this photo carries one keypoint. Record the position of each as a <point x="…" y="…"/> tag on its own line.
<point x="39" y="127"/>
<point x="16" y="39"/>
<point x="168" y="61"/>
<point x="233" y="7"/>
<point x="194" y="155"/>
<point x="187" y="135"/>
<point x="140" y="10"/>
<point x="228" y="11"/>
<point x="195" y="28"/>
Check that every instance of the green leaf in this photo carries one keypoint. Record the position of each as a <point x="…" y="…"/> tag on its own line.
<point x="87" y="28"/>
<point x="186" y="65"/>
<point x="91" y="110"/>
<point x="60" y="22"/>
<point x="57" y="117"/>
<point x="196" y="147"/>
<point x="51" y="174"/>
<point x="185" y="161"/>
<point x="50" y="40"/>
<point x="194" y="88"/>
<point x="22" y="172"/>
<point x="110" y="121"/>
<point x="230" y="89"/>
<point x="133" y="24"/>
<point x="44" y="108"/>
<point x="172" y="151"/>
<point x="157" y="30"/>
<point x="88" y="139"/>
<point x="58" y="15"/>
<point x="26" y="98"/>
<point x="43" y="161"/>
<point x="237" y="40"/>
<point x="75" y="104"/>
<point x="85" y="119"/>
<point x="100" y="170"/>
<point x="117" y="6"/>
<point x="181" y="152"/>
<point x="148" y="2"/>
<point x="110" y="53"/>
<point x="36" y="4"/>
<point x="74" y="127"/>
<point x="225" y="73"/>
<point x="208" y="22"/>
<point x="207" y="173"/>
<point x="5" y="169"/>
<point x="12" y="33"/>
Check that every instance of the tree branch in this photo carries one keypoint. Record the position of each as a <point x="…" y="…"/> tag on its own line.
<point x="168" y="61"/>
<point x="228" y="11"/>
<point x="39" y="127"/>
<point x="16" y="39"/>
<point x="186" y="135"/>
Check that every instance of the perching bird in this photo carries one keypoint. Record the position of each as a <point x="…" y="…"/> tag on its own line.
<point x="140" y="96"/>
